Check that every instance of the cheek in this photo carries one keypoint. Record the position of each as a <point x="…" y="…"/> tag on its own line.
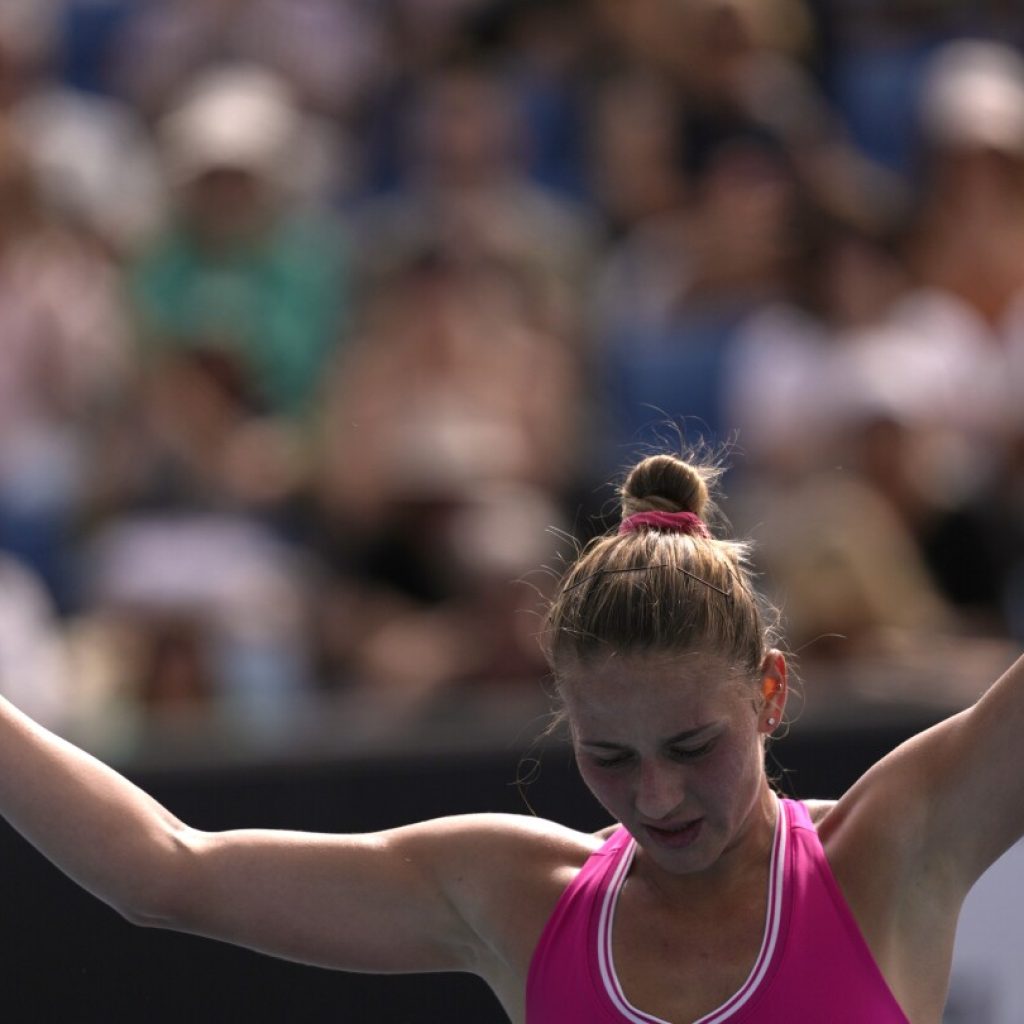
<point x="727" y="776"/>
<point x="609" y="788"/>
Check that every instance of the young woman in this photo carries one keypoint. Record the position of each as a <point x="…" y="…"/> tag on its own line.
<point x="712" y="900"/>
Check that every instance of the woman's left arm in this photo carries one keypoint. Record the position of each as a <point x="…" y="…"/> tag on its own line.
<point x="966" y="778"/>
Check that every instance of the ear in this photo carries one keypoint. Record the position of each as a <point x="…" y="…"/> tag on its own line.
<point x="774" y="690"/>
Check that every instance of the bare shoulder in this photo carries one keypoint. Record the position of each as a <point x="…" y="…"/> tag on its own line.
<point x="493" y="863"/>
<point x="505" y="873"/>
<point x="489" y="863"/>
<point x="503" y="837"/>
<point x="818" y="810"/>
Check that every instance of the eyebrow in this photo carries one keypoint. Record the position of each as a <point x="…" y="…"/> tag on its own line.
<point x="680" y="737"/>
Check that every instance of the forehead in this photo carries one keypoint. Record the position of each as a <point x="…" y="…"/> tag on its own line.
<point x="687" y="689"/>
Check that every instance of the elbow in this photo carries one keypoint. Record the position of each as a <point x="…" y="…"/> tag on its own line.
<point x="157" y="904"/>
<point x="144" y="918"/>
<point x="158" y="896"/>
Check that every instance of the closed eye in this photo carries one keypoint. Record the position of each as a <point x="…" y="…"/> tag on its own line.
<point x="692" y="753"/>
<point x="682" y="753"/>
<point x="609" y="762"/>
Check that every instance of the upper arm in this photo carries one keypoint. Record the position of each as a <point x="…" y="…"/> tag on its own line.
<point x="976" y="771"/>
<point x="418" y="898"/>
<point x="952" y="798"/>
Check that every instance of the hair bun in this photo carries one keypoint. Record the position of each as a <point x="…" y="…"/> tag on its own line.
<point x="665" y="483"/>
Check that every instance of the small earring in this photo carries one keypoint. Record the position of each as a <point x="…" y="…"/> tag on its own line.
<point x="771" y="721"/>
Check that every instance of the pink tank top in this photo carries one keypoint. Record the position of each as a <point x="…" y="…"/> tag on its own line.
<point x="814" y="964"/>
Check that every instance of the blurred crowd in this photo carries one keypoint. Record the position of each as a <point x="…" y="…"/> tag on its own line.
<point x="324" y="324"/>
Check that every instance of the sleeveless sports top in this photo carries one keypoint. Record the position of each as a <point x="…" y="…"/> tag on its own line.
<point x="814" y="964"/>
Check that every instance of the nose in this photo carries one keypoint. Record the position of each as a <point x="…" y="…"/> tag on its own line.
<point x="660" y="790"/>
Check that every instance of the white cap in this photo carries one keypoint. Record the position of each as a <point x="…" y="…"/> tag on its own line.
<point x="973" y="96"/>
<point x="241" y="117"/>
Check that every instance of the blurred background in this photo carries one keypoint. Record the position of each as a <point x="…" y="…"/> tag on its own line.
<point x="325" y="325"/>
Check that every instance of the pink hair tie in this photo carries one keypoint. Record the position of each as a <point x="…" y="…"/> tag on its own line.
<point x="680" y="522"/>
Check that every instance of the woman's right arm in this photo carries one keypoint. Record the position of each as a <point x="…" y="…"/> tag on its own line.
<point x="418" y="898"/>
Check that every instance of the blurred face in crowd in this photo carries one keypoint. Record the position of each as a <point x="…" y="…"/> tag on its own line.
<point x="634" y="149"/>
<point x="228" y="205"/>
<point x="467" y="127"/>
<point x="671" y="745"/>
<point x="745" y="201"/>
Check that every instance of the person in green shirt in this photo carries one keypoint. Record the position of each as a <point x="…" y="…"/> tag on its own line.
<point x="247" y="266"/>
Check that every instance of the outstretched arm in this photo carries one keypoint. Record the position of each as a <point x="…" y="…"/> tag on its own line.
<point x="412" y="899"/>
<point x="977" y="776"/>
<point x="956" y="791"/>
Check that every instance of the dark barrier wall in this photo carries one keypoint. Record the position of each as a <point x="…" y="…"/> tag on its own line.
<point x="68" y="958"/>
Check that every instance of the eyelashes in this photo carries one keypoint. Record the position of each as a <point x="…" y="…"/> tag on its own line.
<point x="609" y="762"/>
<point x="694" y="752"/>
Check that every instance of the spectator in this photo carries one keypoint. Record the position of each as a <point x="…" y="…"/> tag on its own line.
<point x="247" y="268"/>
<point x="673" y="293"/>
<point x="845" y="280"/>
<point x="889" y="388"/>
<point x="958" y="333"/>
<point x="466" y="193"/>
<point x="94" y="164"/>
<point x="64" y="335"/>
<point x="453" y="390"/>
<point x="634" y="164"/>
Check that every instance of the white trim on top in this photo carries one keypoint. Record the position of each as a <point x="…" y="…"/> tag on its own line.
<point x="773" y="920"/>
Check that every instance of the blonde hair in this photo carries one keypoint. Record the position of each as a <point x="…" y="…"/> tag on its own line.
<point x="652" y="590"/>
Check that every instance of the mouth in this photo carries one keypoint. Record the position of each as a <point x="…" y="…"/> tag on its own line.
<point x="675" y="838"/>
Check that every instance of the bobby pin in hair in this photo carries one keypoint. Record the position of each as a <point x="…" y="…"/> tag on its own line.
<point x="643" y="568"/>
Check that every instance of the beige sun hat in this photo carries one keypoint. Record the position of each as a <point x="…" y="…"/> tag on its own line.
<point x="240" y="117"/>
